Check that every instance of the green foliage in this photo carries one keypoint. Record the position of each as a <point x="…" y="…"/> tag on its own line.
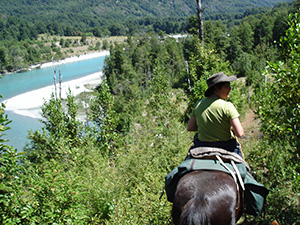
<point x="58" y="192"/>
<point x="272" y="166"/>
<point x="105" y="18"/>
<point x="103" y="114"/>
<point x="192" y="25"/>
<point x="62" y="179"/>
<point x="53" y="16"/>
<point x="154" y="146"/>
<point x="277" y="102"/>
<point x="53" y="192"/>
<point x="61" y="128"/>
<point x="239" y="96"/>
<point x="11" y="206"/>
<point x="10" y="177"/>
<point x="130" y="70"/>
<point x="246" y="42"/>
<point x="4" y="121"/>
<point x="203" y="64"/>
<point x="112" y="172"/>
<point x="160" y="94"/>
<point x="280" y="118"/>
<point x="217" y="37"/>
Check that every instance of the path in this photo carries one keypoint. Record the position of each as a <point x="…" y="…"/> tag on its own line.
<point x="251" y="125"/>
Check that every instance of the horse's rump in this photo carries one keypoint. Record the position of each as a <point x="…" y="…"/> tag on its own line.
<point x="205" y="197"/>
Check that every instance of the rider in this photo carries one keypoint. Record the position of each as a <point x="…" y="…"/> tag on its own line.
<point x="216" y="120"/>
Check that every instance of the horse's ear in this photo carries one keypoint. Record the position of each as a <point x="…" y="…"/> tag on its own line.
<point x="274" y="223"/>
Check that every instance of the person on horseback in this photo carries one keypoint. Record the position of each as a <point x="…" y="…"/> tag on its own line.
<point x="216" y="120"/>
<point x="213" y="185"/>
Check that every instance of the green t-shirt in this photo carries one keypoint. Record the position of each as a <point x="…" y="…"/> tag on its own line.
<point x="213" y="119"/>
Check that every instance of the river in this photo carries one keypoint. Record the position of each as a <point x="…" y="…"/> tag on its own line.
<point x="23" y="93"/>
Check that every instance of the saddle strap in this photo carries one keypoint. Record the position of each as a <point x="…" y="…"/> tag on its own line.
<point x="238" y="175"/>
<point x="230" y="171"/>
<point x="235" y="174"/>
<point x="235" y="180"/>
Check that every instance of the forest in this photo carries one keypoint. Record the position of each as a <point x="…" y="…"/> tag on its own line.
<point x="93" y="13"/>
<point x="21" y="23"/>
<point x="113" y="172"/>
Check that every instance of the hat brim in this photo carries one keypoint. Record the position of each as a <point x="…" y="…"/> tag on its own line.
<point x="231" y="78"/>
<point x="228" y="79"/>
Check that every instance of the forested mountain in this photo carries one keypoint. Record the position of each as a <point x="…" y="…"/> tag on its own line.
<point x="93" y="13"/>
<point x="22" y="22"/>
<point x="114" y="17"/>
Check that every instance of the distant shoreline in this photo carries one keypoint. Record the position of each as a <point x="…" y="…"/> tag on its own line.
<point x="75" y="58"/>
<point x="29" y="103"/>
<point x="71" y="59"/>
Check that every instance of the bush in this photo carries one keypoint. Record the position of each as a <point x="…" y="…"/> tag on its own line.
<point x="272" y="166"/>
<point x="281" y="118"/>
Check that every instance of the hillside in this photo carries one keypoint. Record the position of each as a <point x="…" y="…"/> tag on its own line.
<point x="91" y="13"/>
<point x="113" y="172"/>
<point x="22" y="22"/>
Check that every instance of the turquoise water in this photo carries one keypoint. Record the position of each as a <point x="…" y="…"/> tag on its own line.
<point x="19" y="83"/>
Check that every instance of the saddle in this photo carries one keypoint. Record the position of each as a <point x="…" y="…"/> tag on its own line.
<point x="222" y="156"/>
<point x="213" y="158"/>
<point x="213" y="152"/>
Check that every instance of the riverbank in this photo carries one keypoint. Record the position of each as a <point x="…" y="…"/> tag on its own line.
<point x="29" y="103"/>
<point x="71" y="59"/>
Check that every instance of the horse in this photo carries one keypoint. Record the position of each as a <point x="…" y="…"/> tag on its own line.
<point x="207" y="198"/>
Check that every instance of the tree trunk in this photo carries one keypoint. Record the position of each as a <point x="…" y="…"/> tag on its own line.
<point x="200" y="21"/>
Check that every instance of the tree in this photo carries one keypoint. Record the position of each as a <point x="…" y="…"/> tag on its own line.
<point x="245" y="34"/>
<point x="202" y="65"/>
<point x="3" y="58"/>
<point x="176" y="60"/>
<point x="281" y="118"/>
<point x="263" y="31"/>
<point x="113" y="67"/>
<point x="200" y="21"/>
<point x="33" y="54"/>
<point x="106" y="119"/>
<point x="10" y="180"/>
<point x="280" y="26"/>
<point x="217" y="36"/>
<point x="116" y="30"/>
<point x="191" y="26"/>
<point x="61" y="128"/>
<point x="97" y="32"/>
<point x="296" y="6"/>
<point x="234" y="50"/>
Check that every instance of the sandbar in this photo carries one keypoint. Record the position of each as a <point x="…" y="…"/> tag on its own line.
<point x="29" y="103"/>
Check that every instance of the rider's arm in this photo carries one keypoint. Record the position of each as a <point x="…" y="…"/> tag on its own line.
<point x="237" y="127"/>
<point x="192" y="124"/>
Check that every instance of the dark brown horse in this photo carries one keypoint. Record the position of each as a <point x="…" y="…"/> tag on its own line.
<point x="206" y="198"/>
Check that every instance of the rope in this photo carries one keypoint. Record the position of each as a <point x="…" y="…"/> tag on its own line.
<point x="231" y="172"/>
<point x="238" y="175"/>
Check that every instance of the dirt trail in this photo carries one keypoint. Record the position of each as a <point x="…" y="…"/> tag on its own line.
<point x="251" y="125"/>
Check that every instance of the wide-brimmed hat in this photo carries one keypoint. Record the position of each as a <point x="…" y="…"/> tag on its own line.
<point x="218" y="78"/>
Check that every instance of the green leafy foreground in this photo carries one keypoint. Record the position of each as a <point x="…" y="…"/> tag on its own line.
<point x="113" y="171"/>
